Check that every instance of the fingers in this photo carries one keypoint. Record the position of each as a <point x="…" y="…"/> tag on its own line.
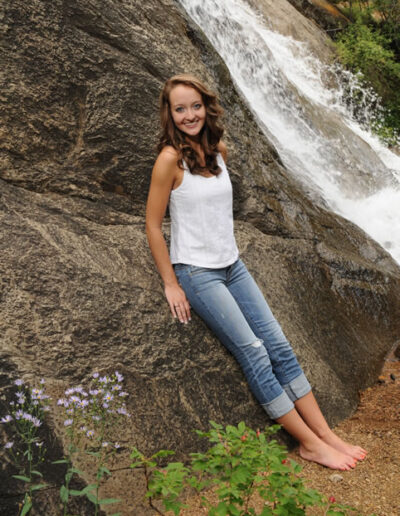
<point x="178" y="303"/>
<point x="181" y="310"/>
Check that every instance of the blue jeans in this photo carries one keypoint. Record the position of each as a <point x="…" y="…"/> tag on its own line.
<point x="233" y="307"/>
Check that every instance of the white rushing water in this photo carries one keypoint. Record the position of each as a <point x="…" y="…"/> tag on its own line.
<point x="311" y="126"/>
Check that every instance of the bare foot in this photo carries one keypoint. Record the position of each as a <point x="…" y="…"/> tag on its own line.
<point x="333" y="440"/>
<point x="327" y="456"/>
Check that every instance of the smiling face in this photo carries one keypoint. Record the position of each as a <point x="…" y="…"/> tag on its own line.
<point x="187" y="109"/>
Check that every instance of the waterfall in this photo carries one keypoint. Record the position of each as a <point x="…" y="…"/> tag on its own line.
<point x="311" y="126"/>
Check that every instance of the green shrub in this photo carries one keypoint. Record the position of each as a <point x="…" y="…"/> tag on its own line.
<point x="240" y="463"/>
<point x="365" y="50"/>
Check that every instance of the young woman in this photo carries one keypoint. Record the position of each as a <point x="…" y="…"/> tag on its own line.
<point x="203" y="270"/>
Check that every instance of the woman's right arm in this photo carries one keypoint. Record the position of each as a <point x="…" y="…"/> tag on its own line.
<point x="162" y="180"/>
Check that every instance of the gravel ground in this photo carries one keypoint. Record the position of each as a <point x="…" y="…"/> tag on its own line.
<point x="373" y="487"/>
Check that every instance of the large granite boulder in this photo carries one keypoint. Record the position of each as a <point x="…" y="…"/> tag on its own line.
<point x="79" y="291"/>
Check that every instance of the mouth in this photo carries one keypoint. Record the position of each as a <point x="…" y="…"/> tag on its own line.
<point x="191" y="125"/>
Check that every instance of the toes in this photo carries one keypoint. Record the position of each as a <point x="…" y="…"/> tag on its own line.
<point x="360" y="454"/>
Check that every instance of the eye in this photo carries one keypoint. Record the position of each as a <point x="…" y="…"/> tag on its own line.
<point x="198" y="105"/>
<point x="179" y="109"/>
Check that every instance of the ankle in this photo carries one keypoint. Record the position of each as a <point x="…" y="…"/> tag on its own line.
<point x="323" y="433"/>
<point x="311" y="443"/>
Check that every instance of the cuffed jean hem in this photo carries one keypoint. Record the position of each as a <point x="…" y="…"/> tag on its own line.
<point x="279" y="406"/>
<point x="297" y="388"/>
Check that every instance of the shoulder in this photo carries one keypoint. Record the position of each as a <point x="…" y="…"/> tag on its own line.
<point x="166" y="169"/>
<point x="223" y="150"/>
<point x="167" y="160"/>
<point x="168" y="156"/>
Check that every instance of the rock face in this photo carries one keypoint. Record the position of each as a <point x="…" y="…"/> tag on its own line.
<point x="79" y="288"/>
<point x="325" y="14"/>
<point x="283" y="17"/>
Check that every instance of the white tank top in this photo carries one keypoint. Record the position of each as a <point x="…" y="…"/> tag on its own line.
<point x="202" y="220"/>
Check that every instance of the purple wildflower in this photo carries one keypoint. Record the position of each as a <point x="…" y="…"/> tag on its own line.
<point x="119" y="376"/>
<point x="105" y="444"/>
<point x="18" y="414"/>
<point x="9" y="445"/>
<point x="123" y="393"/>
<point x="38" y="394"/>
<point x="42" y="381"/>
<point x="68" y="422"/>
<point x="117" y="446"/>
<point x="90" y="433"/>
<point x="36" y="422"/>
<point x="95" y="375"/>
<point x="19" y="382"/>
<point x="6" y="419"/>
<point x="20" y="397"/>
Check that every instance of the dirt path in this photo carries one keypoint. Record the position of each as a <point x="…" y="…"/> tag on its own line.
<point x="373" y="487"/>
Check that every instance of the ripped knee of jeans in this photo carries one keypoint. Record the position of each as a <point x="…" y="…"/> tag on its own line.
<point x="257" y="343"/>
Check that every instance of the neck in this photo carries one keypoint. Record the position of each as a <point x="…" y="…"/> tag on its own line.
<point x="195" y="144"/>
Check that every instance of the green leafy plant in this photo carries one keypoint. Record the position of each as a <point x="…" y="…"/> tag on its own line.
<point x="166" y="484"/>
<point x="370" y="47"/>
<point x="240" y="463"/>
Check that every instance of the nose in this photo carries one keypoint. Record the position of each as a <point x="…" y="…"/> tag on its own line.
<point x="190" y="115"/>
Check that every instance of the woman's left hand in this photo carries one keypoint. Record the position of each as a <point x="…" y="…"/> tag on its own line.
<point x="178" y="303"/>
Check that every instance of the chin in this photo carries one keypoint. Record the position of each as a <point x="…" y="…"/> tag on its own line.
<point x="193" y="133"/>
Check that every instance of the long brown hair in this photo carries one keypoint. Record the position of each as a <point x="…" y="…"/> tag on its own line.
<point x="210" y="134"/>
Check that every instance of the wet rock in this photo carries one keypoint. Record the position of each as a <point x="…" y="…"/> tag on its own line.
<point x="323" y="13"/>
<point x="283" y="17"/>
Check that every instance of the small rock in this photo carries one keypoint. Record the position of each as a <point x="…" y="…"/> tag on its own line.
<point x="336" y="478"/>
<point x="392" y="377"/>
